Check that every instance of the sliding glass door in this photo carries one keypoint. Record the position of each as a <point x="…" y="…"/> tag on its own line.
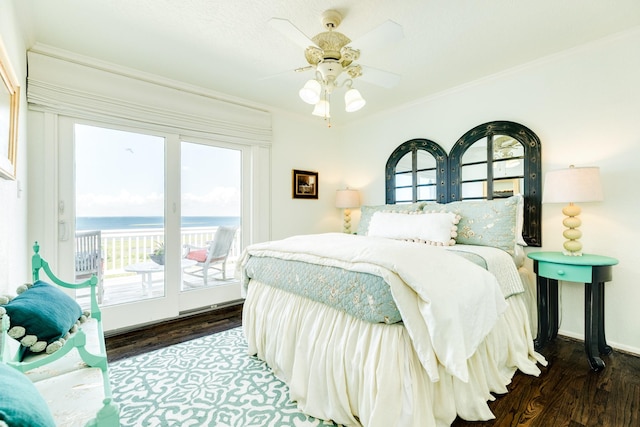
<point x="211" y="198"/>
<point x="211" y="201"/>
<point x="155" y="204"/>
<point x="119" y="195"/>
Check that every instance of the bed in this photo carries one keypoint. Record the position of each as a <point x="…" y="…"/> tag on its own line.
<point x="426" y="313"/>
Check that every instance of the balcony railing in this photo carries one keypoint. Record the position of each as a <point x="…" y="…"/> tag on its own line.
<point x="121" y="248"/>
<point x="124" y="247"/>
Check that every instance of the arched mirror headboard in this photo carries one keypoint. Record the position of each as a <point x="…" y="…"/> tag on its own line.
<point x="417" y="171"/>
<point x="492" y="160"/>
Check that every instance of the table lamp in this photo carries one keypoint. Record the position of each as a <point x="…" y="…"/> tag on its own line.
<point x="347" y="199"/>
<point x="570" y="186"/>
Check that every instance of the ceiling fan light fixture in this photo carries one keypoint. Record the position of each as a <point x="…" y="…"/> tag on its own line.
<point x="353" y="101"/>
<point x="310" y="92"/>
<point x="330" y="54"/>
<point x="322" y="109"/>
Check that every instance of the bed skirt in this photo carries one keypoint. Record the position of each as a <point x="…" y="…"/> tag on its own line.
<point x="357" y="373"/>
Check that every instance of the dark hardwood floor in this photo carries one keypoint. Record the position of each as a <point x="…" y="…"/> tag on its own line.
<point x="567" y="393"/>
<point x="171" y="332"/>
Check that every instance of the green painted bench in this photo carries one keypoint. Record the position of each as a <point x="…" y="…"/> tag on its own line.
<point x="74" y="380"/>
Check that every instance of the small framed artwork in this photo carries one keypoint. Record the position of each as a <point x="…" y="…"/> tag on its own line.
<point x="9" y="98"/>
<point x="305" y="184"/>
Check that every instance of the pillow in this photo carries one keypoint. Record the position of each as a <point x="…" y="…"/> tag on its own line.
<point x="486" y="222"/>
<point x="435" y="228"/>
<point x="20" y="402"/>
<point x="41" y="315"/>
<point x="366" y="212"/>
<point x="520" y="221"/>
<point x="199" y="255"/>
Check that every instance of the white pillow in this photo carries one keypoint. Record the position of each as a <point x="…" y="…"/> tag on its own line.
<point x="433" y="228"/>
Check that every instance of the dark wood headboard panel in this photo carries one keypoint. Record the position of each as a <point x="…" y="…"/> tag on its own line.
<point x="448" y="179"/>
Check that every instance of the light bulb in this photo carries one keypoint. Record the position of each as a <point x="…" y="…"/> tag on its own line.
<point x="322" y="109"/>
<point x="353" y="101"/>
<point x="310" y="93"/>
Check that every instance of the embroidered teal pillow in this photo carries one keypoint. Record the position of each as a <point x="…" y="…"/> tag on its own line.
<point x="20" y="403"/>
<point x="366" y="212"/>
<point x="485" y="222"/>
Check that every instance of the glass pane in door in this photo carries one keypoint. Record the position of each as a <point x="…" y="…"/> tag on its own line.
<point x="119" y="178"/>
<point x="211" y="208"/>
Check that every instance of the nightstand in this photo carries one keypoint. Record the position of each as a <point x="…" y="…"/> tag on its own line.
<point x="593" y="271"/>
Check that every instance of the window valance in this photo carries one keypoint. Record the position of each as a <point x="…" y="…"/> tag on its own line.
<point x="69" y="84"/>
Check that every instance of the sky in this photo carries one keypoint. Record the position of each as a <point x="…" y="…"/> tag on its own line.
<point x="121" y="173"/>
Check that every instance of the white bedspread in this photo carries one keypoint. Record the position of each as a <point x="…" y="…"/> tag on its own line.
<point x="499" y="263"/>
<point x="448" y="304"/>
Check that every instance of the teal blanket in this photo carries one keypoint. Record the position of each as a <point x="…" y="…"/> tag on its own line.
<point x="362" y="295"/>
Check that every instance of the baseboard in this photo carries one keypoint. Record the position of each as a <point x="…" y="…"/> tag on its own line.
<point x="221" y="309"/>
<point x="634" y="351"/>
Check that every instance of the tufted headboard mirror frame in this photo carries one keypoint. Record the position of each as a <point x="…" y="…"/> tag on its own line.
<point x="492" y="160"/>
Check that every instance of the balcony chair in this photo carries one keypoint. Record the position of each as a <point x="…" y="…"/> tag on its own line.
<point x="213" y="256"/>
<point x="89" y="258"/>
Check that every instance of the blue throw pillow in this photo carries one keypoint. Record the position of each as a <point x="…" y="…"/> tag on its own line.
<point x="485" y="222"/>
<point x="41" y="315"/>
<point x="20" y="403"/>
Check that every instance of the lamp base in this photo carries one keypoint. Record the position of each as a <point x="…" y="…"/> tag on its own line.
<point x="569" y="253"/>
<point x="572" y="246"/>
<point x="347" y="221"/>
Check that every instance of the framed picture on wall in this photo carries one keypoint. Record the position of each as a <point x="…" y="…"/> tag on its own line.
<point x="305" y="184"/>
<point x="9" y="98"/>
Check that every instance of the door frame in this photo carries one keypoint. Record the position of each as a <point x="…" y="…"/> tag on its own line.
<point x="174" y="302"/>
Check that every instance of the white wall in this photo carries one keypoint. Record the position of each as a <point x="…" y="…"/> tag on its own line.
<point x="305" y="144"/>
<point x="584" y="105"/>
<point x="14" y="251"/>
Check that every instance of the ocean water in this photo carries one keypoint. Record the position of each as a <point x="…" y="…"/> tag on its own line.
<point x="132" y="222"/>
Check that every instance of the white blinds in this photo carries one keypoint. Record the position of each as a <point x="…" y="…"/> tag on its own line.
<point x="69" y="84"/>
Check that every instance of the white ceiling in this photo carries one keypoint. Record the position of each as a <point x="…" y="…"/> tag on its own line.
<point x="227" y="45"/>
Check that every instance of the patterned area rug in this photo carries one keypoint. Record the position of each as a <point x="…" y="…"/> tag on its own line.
<point x="209" y="381"/>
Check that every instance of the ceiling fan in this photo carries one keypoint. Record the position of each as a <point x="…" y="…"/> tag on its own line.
<point x="504" y="146"/>
<point x="331" y="53"/>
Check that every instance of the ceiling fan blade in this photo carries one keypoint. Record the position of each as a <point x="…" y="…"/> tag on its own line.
<point x="291" y="31"/>
<point x="386" y="33"/>
<point x="286" y="73"/>
<point x="377" y="77"/>
<point x="303" y="69"/>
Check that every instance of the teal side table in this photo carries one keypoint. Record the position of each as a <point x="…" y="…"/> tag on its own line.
<point x="593" y="271"/>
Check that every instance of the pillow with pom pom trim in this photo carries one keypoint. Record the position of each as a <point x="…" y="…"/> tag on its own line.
<point x="432" y="228"/>
<point x="367" y="212"/>
<point x="41" y="316"/>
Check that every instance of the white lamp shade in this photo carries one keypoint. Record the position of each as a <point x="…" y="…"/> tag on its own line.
<point x="310" y="92"/>
<point x="322" y="109"/>
<point x="573" y="185"/>
<point x="347" y="198"/>
<point x="353" y="101"/>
